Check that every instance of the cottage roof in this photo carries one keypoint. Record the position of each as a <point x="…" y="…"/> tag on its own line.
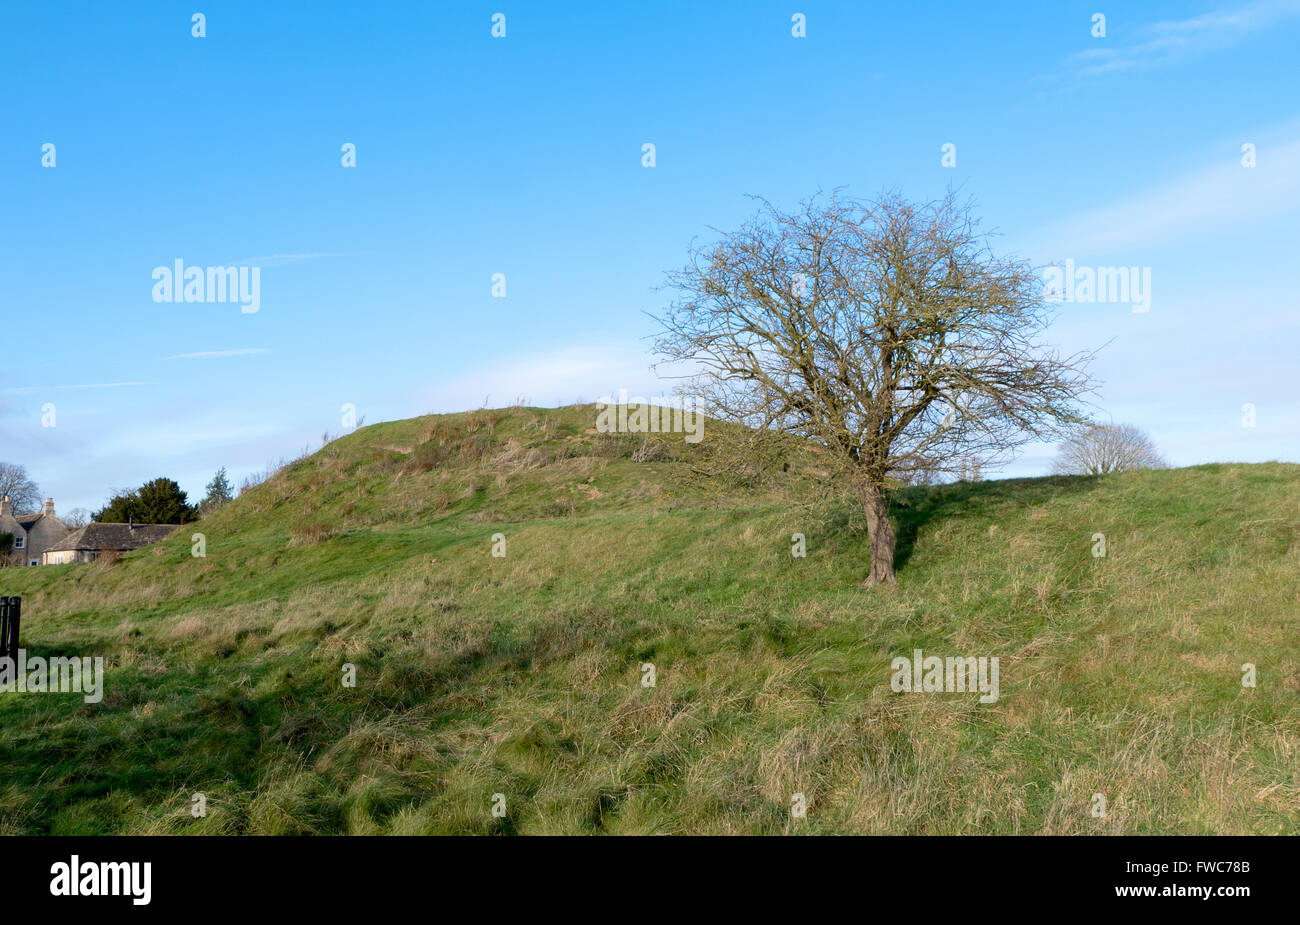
<point x="112" y="536"/>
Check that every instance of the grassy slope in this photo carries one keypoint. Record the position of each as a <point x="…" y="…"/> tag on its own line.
<point x="521" y="675"/>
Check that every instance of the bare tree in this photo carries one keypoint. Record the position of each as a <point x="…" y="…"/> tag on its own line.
<point x="24" y="495"/>
<point x="77" y="517"/>
<point x="885" y="332"/>
<point x="1102" y="448"/>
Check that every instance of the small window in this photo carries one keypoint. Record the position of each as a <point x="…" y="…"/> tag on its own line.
<point x="18" y="541"/>
<point x="33" y="562"/>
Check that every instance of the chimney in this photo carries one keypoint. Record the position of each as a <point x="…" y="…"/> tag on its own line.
<point x="4" y="507"/>
<point x="49" y="507"/>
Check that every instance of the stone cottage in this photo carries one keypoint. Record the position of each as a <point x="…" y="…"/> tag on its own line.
<point x="33" y="533"/>
<point x="89" y="542"/>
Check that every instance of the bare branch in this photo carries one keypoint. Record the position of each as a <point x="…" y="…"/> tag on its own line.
<point x="887" y="332"/>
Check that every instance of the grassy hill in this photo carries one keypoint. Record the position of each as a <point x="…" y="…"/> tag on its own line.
<point x="521" y="675"/>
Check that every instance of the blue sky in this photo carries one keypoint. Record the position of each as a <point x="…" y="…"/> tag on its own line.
<point x="522" y="155"/>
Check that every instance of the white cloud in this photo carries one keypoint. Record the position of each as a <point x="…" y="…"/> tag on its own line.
<point x="1166" y="41"/>
<point x="278" y="260"/>
<point x="215" y="354"/>
<point x="1210" y="199"/>
<point x="30" y="389"/>
<point x="170" y="440"/>
<point x="557" y="376"/>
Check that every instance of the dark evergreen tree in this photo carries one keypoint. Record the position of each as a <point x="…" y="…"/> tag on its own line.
<point x="160" y="501"/>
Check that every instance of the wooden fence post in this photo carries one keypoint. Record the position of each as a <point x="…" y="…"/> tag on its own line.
<point x="10" y="612"/>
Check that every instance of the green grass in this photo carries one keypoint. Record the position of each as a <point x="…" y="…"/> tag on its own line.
<point x="521" y="675"/>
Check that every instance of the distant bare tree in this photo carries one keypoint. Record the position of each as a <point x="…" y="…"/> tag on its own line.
<point x="77" y="517"/>
<point x="1103" y="448"/>
<point x="885" y="332"/>
<point x="24" y="495"/>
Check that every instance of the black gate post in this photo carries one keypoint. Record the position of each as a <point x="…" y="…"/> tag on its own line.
<point x="10" y="612"/>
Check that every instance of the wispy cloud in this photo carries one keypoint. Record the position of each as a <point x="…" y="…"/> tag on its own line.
<point x="170" y="440"/>
<point x="557" y="376"/>
<point x="278" y="260"/>
<point x="1165" y="42"/>
<point x="29" y="389"/>
<point x="1212" y="198"/>
<point x="215" y="354"/>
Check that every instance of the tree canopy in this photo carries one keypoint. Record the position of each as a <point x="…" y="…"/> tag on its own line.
<point x="24" y="494"/>
<point x="885" y="331"/>
<point x="219" y="491"/>
<point x="159" y="501"/>
<point x="1103" y="448"/>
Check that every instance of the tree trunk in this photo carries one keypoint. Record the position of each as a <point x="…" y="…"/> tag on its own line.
<point x="880" y="536"/>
